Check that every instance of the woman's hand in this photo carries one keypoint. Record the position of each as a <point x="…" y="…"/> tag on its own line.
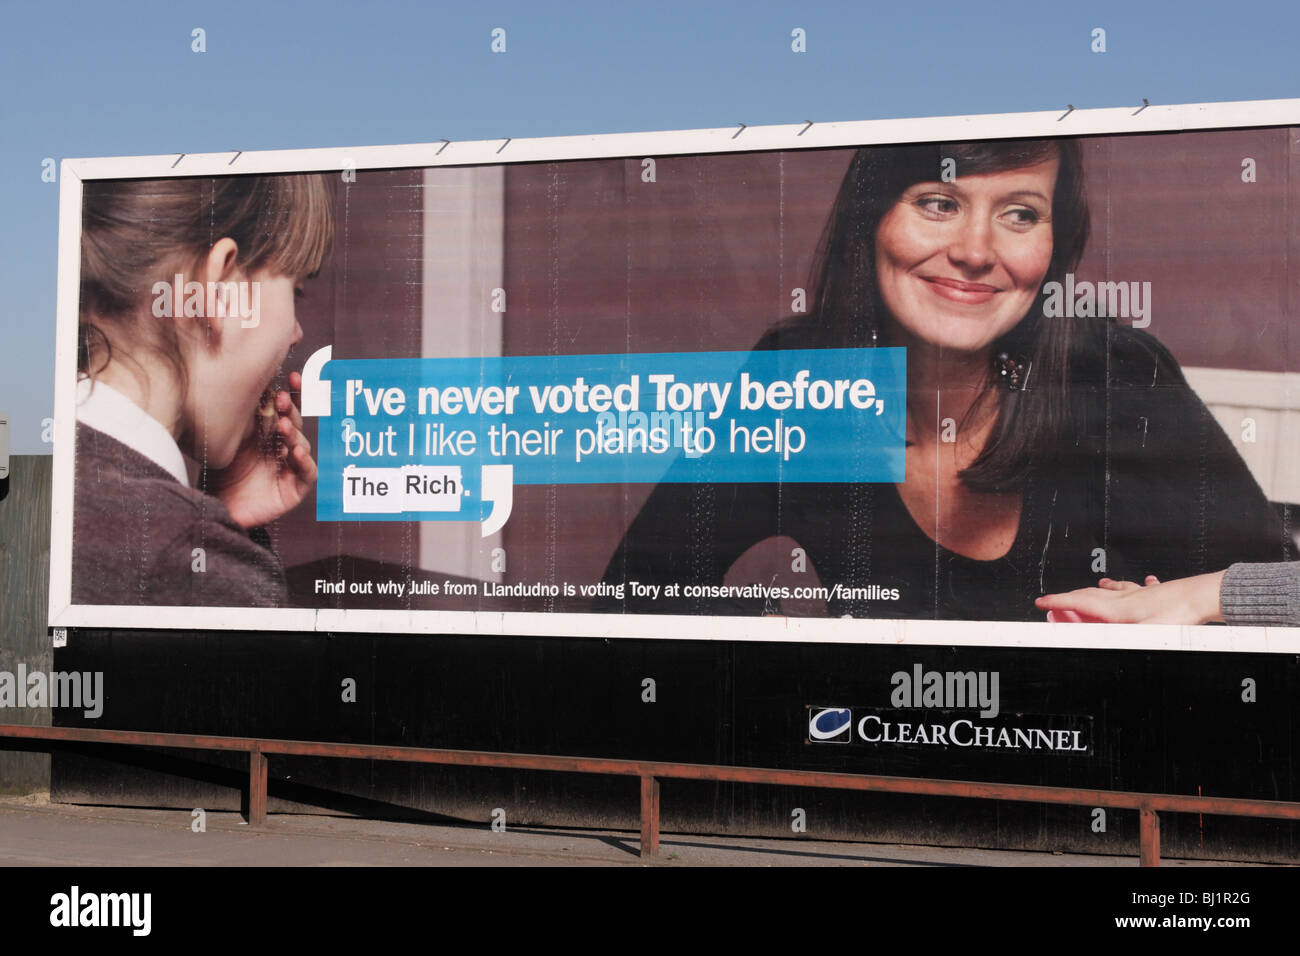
<point x="269" y="478"/>
<point x="1192" y="600"/>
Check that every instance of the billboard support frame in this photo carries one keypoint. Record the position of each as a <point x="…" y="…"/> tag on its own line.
<point x="1073" y="123"/>
<point x="651" y="773"/>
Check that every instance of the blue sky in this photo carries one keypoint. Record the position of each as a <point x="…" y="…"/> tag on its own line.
<point x="103" y="79"/>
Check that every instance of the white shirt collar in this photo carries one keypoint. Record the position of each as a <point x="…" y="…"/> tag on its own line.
<point x="105" y="409"/>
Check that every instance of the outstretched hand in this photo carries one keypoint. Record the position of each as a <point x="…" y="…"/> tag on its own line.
<point x="270" y="474"/>
<point x="1193" y="600"/>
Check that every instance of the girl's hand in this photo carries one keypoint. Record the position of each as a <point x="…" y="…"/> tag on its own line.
<point x="1192" y="600"/>
<point x="269" y="478"/>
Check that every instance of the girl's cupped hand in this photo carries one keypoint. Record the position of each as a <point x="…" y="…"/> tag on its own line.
<point x="269" y="477"/>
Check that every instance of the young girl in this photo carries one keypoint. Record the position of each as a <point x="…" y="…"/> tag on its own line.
<point x="186" y="445"/>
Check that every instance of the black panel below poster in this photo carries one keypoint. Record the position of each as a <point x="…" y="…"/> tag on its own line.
<point x="1169" y="722"/>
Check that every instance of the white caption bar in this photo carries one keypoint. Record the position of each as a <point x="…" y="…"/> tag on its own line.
<point x="398" y="490"/>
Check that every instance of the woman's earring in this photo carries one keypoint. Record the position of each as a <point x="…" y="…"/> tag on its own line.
<point x="1013" y="372"/>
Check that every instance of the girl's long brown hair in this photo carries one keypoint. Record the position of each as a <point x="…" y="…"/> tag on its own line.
<point x="135" y="233"/>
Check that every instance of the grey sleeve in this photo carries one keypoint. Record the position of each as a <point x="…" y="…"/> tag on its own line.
<point x="1262" y="594"/>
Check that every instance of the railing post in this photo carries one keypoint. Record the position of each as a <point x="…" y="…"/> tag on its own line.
<point x="649" y="816"/>
<point x="1149" y="836"/>
<point x="256" y="787"/>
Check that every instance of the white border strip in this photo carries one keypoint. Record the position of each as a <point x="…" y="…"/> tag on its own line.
<point x="1152" y="119"/>
<point x="65" y="390"/>
<point x="1140" y="637"/>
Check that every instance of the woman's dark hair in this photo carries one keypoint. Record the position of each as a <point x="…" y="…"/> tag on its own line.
<point x="848" y="311"/>
<point x="138" y="232"/>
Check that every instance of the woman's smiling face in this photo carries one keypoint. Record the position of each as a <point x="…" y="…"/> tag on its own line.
<point x="959" y="264"/>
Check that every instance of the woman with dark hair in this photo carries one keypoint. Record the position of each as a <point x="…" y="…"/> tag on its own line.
<point x="186" y="443"/>
<point x="1042" y="451"/>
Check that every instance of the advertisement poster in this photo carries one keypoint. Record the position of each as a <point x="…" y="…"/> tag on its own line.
<point x="782" y="388"/>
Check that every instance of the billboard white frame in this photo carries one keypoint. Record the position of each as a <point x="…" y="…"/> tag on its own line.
<point x="63" y="613"/>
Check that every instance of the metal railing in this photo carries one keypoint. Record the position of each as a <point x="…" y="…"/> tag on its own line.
<point x="650" y="772"/>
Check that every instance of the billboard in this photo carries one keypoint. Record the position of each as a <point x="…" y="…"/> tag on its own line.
<point x="922" y="381"/>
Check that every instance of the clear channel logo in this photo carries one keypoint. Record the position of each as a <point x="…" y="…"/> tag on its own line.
<point x="830" y="725"/>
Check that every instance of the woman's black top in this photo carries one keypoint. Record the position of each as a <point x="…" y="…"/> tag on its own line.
<point x="1146" y="482"/>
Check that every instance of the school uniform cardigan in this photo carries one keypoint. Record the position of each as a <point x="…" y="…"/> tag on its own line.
<point x="141" y="537"/>
<point x="1261" y="594"/>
